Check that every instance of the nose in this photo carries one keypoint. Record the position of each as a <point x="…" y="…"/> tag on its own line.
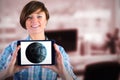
<point x="34" y="21"/>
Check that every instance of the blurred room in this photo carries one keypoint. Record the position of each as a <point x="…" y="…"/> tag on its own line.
<point x="89" y="30"/>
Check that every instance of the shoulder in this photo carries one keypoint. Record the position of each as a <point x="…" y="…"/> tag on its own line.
<point x="10" y="47"/>
<point x="13" y="45"/>
<point x="6" y="54"/>
<point x="63" y="52"/>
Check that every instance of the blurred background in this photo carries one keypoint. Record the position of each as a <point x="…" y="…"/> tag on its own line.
<point x="89" y="30"/>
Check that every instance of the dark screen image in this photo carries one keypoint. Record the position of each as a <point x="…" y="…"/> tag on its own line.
<point x="36" y="52"/>
<point x="65" y="38"/>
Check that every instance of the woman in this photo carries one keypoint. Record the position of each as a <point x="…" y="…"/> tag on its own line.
<point x="34" y="18"/>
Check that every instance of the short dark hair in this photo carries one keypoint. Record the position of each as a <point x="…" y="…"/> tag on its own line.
<point x="31" y="7"/>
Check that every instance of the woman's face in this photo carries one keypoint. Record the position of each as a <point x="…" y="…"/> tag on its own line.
<point x="36" y="22"/>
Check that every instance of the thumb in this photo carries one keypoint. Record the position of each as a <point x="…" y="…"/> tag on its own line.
<point x="56" y="47"/>
<point x="13" y="60"/>
<point x="58" y="53"/>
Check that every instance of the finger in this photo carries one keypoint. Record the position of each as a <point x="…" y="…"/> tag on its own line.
<point x="13" y="60"/>
<point x="56" y="47"/>
<point x="59" y="57"/>
<point x="50" y="67"/>
<point x="58" y="54"/>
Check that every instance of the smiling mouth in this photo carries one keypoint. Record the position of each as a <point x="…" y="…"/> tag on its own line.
<point x="35" y="26"/>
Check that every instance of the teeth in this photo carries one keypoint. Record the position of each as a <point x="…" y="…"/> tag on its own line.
<point x="35" y="26"/>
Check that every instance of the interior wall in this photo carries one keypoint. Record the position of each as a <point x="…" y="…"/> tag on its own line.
<point x="92" y="18"/>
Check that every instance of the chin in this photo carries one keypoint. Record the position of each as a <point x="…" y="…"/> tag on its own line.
<point x="35" y="32"/>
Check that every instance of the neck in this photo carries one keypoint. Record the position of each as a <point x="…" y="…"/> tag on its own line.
<point x="37" y="36"/>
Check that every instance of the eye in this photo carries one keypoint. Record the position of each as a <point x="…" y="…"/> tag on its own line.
<point x="39" y="16"/>
<point x="29" y="17"/>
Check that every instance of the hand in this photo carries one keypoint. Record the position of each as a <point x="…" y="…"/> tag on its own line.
<point x="59" y="67"/>
<point x="12" y="67"/>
